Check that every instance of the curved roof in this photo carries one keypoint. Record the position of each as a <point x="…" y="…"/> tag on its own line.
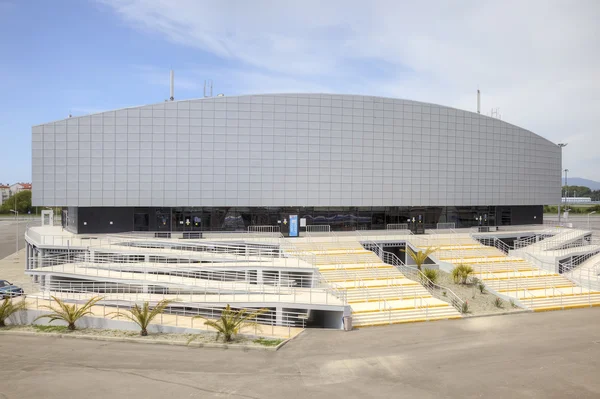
<point x="313" y="96"/>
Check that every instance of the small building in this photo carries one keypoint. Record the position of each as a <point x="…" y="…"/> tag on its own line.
<point x="4" y="193"/>
<point x="18" y="187"/>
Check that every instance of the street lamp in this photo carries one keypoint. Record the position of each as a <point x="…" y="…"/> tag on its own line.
<point x="17" y="230"/>
<point x="591" y="213"/>
<point x="561" y="146"/>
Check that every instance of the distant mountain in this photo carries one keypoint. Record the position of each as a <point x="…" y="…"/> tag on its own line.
<point x="578" y="181"/>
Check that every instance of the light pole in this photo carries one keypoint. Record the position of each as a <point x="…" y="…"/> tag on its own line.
<point x="16" y="231"/>
<point x="561" y="146"/>
<point x="566" y="192"/>
<point x="591" y="213"/>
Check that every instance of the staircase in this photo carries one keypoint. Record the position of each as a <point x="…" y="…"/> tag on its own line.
<point x="378" y="293"/>
<point x="532" y="286"/>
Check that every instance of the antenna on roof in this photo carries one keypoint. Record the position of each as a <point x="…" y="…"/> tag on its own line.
<point x="172" y="86"/>
<point x="478" y="101"/>
<point x="495" y="113"/>
<point x="70" y="116"/>
<point x="208" y="84"/>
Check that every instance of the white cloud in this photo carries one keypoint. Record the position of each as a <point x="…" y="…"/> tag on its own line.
<point x="538" y="61"/>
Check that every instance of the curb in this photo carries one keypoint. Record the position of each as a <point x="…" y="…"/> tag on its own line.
<point x="288" y="340"/>
<point x="143" y="341"/>
<point x="498" y="314"/>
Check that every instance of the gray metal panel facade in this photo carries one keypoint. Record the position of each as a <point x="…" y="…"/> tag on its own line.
<point x="291" y="150"/>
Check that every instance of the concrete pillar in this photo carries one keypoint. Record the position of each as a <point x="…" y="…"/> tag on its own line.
<point x="259" y="276"/>
<point x="278" y="316"/>
<point x="47" y="280"/>
<point x="27" y="249"/>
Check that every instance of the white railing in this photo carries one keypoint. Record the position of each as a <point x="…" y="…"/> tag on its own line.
<point x="445" y="226"/>
<point x="87" y="241"/>
<point x="318" y="228"/>
<point x="183" y="314"/>
<point x="264" y="229"/>
<point x="494" y="242"/>
<point x="586" y="276"/>
<point x="198" y="291"/>
<point x="396" y="226"/>
<point x="572" y="262"/>
<point x="438" y="291"/>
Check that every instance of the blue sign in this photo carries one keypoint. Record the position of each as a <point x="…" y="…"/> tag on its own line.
<point x="293" y="225"/>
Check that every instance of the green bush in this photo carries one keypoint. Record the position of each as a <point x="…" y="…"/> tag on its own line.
<point x="461" y="273"/>
<point x="465" y="307"/>
<point x="268" y="342"/>
<point x="499" y="303"/>
<point x="431" y="274"/>
<point x="23" y="200"/>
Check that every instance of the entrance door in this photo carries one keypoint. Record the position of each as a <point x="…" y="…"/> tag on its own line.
<point x="163" y="220"/>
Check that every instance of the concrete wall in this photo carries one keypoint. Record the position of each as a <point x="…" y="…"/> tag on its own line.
<point x="291" y="150"/>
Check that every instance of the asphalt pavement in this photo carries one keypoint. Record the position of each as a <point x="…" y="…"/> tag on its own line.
<point x="542" y="355"/>
<point x="10" y="230"/>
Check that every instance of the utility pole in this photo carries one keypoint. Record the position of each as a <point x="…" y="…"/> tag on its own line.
<point x="561" y="146"/>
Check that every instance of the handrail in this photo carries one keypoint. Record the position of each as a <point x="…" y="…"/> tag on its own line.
<point x="418" y="275"/>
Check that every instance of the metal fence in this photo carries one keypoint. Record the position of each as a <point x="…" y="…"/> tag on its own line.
<point x="441" y="226"/>
<point x="264" y="229"/>
<point x="284" y="323"/>
<point x="318" y="228"/>
<point x="396" y="226"/>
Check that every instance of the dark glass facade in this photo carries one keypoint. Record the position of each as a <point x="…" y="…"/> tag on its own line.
<point x="120" y="219"/>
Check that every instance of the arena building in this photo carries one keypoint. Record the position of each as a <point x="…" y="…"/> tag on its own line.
<point x="351" y="162"/>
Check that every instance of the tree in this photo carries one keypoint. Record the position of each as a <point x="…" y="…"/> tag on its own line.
<point x="231" y="322"/>
<point x="143" y="316"/>
<point x="576" y="191"/>
<point x="69" y="313"/>
<point x="23" y="202"/>
<point x="8" y="307"/>
<point x="420" y="256"/>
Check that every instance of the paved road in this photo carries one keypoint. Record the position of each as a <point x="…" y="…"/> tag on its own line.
<point x="8" y="232"/>
<point x="548" y="355"/>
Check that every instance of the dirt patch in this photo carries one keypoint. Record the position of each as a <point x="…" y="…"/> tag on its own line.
<point x="479" y="303"/>
<point x="202" y="338"/>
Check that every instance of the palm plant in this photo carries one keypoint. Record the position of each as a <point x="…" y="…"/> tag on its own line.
<point x="142" y="315"/>
<point x="69" y="313"/>
<point x="431" y="275"/>
<point x="8" y="308"/>
<point x="461" y="273"/>
<point x="231" y="322"/>
<point x="419" y="257"/>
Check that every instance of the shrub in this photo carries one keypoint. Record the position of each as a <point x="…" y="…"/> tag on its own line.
<point x="512" y="303"/>
<point x="431" y="274"/>
<point x="231" y="322"/>
<point x="461" y="273"/>
<point x="69" y="313"/>
<point x="499" y="303"/>
<point x="481" y="287"/>
<point x="8" y="307"/>
<point x="465" y="307"/>
<point x="268" y="342"/>
<point x="142" y="315"/>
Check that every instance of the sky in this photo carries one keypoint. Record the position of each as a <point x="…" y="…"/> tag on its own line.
<point x="538" y="62"/>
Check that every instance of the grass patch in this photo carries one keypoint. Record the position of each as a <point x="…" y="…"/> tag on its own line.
<point x="268" y="342"/>
<point x="50" y="329"/>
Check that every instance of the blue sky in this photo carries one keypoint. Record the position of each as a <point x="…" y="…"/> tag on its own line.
<point x="537" y="61"/>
